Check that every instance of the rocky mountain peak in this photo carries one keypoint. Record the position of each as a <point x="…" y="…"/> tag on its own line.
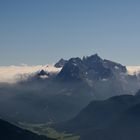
<point x="60" y="63"/>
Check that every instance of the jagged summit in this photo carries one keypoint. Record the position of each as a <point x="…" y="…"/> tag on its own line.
<point x="73" y="70"/>
<point x="60" y="63"/>
<point x="94" y="57"/>
<point x="42" y="73"/>
<point x="91" y="67"/>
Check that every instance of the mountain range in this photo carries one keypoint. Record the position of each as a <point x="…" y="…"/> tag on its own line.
<point x="117" y="118"/>
<point x="90" y="97"/>
<point x="61" y="96"/>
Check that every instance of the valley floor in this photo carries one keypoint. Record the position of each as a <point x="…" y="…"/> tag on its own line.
<point x="44" y="129"/>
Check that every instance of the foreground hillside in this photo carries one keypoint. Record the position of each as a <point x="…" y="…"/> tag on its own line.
<point x="117" y="118"/>
<point x="11" y="132"/>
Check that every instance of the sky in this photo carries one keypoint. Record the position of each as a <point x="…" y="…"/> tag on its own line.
<point x="38" y="32"/>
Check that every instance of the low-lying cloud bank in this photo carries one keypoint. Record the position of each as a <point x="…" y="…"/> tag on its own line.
<point x="11" y="74"/>
<point x="133" y="69"/>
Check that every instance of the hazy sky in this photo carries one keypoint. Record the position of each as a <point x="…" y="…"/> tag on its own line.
<point x="42" y="31"/>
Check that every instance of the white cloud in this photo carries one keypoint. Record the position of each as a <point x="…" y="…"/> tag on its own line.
<point x="10" y="73"/>
<point x="133" y="69"/>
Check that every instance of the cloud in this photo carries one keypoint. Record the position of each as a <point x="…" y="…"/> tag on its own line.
<point x="11" y="73"/>
<point x="133" y="69"/>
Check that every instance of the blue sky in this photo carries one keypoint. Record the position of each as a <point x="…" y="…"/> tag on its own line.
<point x="42" y="31"/>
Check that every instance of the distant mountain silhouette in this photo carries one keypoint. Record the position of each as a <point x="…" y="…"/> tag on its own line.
<point x="117" y="118"/>
<point x="90" y="67"/>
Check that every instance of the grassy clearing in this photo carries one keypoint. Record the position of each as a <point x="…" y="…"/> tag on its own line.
<point x="43" y="129"/>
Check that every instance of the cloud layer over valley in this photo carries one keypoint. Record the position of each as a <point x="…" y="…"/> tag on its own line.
<point x="12" y="73"/>
<point x="133" y="69"/>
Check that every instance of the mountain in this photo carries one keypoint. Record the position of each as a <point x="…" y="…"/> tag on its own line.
<point x="96" y="72"/>
<point x="116" y="118"/>
<point x="43" y="73"/>
<point x="92" y="67"/>
<point x="60" y="63"/>
<point x="60" y="97"/>
<point x="11" y="132"/>
<point x="115" y="66"/>
<point x="89" y="67"/>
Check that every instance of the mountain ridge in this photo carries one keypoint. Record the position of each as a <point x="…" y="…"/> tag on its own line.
<point x="112" y="119"/>
<point x="61" y="96"/>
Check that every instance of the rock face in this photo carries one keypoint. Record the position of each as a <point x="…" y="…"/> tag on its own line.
<point x="60" y="63"/>
<point x="74" y="69"/>
<point x="11" y="132"/>
<point x="43" y="73"/>
<point x="92" y="67"/>
<point x="115" y="66"/>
